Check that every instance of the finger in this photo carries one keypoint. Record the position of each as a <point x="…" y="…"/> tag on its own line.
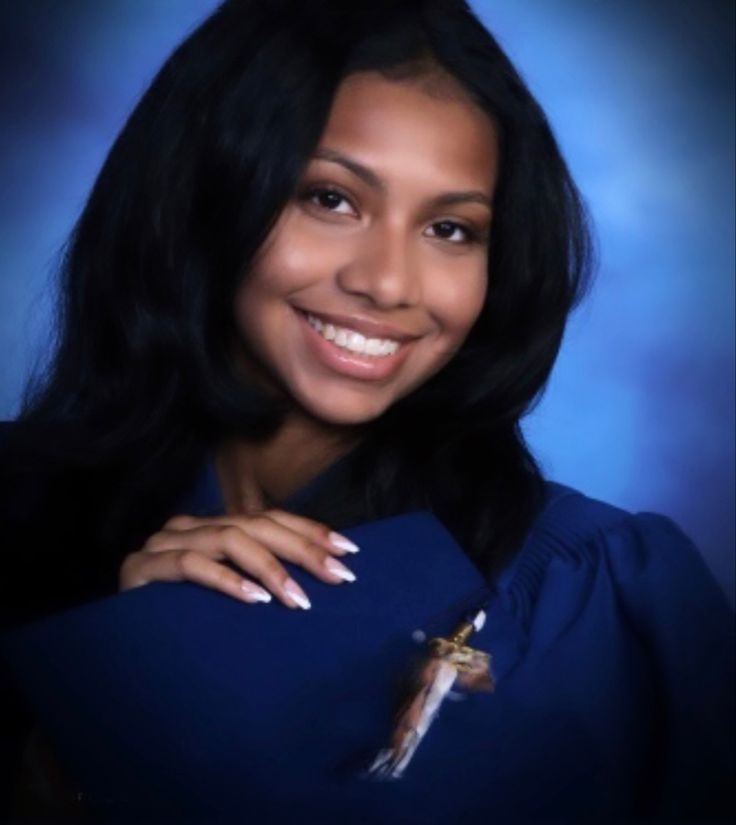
<point x="316" y="531"/>
<point x="212" y="537"/>
<point x="182" y="522"/>
<point x="226" y="540"/>
<point x="198" y="536"/>
<point x="251" y="555"/>
<point x="187" y="565"/>
<point x="319" y="533"/>
<point x="289" y="545"/>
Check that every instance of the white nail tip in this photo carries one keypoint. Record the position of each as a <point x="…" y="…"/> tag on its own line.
<point x="336" y="540"/>
<point x="338" y="569"/>
<point x="257" y="595"/>
<point x="298" y="598"/>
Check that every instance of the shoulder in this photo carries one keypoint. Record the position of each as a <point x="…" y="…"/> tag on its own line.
<point x="588" y="531"/>
<point x="581" y="546"/>
<point x="21" y="482"/>
<point x="571" y="526"/>
<point x="6" y="429"/>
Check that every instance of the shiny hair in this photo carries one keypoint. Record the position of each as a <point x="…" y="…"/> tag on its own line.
<point x="143" y="381"/>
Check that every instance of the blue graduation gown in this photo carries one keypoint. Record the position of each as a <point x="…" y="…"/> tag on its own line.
<point x="612" y="652"/>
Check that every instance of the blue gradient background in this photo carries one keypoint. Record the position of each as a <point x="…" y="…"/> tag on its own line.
<point x="640" y="409"/>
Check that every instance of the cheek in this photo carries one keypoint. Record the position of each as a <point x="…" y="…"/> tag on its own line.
<point x="461" y="302"/>
<point x="282" y="272"/>
<point x="293" y="265"/>
<point x="291" y="258"/>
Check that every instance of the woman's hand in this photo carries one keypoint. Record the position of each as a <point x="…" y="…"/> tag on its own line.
<point x="192" y="549"/>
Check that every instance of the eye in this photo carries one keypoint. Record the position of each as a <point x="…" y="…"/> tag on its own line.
<point x="329" y="199"/>
<point x="453" y="232"/>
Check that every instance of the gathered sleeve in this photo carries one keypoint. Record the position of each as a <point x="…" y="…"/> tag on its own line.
<point x="622" y="622"/>
<point x="671" y="599"/>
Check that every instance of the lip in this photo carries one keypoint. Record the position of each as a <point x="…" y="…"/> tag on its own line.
<point x="352" y="364"/>
<point x="367" y="327"/>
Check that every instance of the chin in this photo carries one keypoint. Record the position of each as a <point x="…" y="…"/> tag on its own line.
<point x="344" y="413"/>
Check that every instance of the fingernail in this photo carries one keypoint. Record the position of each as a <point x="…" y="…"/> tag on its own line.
<point x="342" y="543"/>
<point x="296" y="594"/>
<point x="254" y="592"/>
<point x="339" y="569"/>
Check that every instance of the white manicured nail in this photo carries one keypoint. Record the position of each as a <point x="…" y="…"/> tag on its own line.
<point x="296" y="594"/>
<point x="339" y="569"/>
<point x="342" y="543"/>
<point x="254" y="592"/>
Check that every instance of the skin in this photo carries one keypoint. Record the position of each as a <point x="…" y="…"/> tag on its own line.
<point x="365" y="235"/>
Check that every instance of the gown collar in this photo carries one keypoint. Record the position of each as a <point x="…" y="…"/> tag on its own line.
<point x="206" y="497"/>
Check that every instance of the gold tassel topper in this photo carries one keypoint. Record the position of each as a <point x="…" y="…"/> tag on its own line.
<point x="451" y="662"/>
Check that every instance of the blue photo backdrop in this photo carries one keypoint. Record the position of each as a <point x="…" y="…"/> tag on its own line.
<point x="640" y="409"/>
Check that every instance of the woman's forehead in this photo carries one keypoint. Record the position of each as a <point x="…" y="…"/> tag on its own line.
<point x="408" y="124"/>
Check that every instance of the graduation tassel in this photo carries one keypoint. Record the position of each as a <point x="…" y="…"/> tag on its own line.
<point x="450" y="662"/>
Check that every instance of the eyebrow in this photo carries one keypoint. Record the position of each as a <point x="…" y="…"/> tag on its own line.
<point x="370" y="177"/>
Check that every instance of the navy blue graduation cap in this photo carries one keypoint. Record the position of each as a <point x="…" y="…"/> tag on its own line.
<point x="173" y="702"/>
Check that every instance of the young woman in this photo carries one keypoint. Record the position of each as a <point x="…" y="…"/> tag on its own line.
<point x="323" y="273"/>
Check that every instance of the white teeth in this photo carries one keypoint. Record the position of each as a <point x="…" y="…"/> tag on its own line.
<point x="356" y="342"/>
<point x="353" y="341"/>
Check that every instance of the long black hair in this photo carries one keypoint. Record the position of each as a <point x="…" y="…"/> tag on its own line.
<point x="143" y="383"/>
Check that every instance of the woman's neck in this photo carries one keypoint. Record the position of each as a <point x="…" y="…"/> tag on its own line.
<point x="253" y="475"/>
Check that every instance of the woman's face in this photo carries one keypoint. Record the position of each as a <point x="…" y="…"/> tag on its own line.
<point x="376" y="271"/>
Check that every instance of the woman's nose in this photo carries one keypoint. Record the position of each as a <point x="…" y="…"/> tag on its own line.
<point x="383" y="268"/>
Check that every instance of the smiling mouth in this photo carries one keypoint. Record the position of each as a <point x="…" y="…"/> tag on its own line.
<point x="348" y="353"/>
<point x="352" y="340"/>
